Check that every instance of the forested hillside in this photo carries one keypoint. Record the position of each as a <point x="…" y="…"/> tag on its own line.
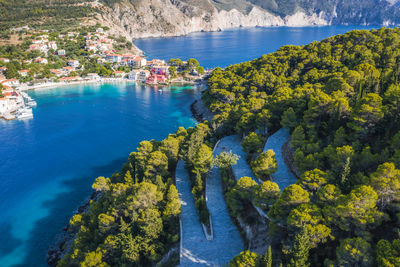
<point x="44" y="13"/>
<point x="133" y="218"/>
<point x="340" y="98"/>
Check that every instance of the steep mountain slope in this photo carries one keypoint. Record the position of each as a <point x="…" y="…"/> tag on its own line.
<point x="152" y="18"/>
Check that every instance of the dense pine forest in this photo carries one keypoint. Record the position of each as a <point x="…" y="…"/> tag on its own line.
<point x="340" y="99"/>
<point x="43" y="13"/>
<point x="133" y="217"/>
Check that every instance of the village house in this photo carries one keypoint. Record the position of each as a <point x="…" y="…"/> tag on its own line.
<point x="119" y="74"/>
<point x="68" y="79"/>
<point x="41" y="47"/>
<point x="133" y="75"/>
<point x="93" y="76"/>
<point x="156" y="78"/>
<point x="5" y="60"/>
<point x="23" y="73"/>
<point x="139" y="62"/>
<point x="39" y="41"/>
<point x="143" y="75"/>
<point x="92" y="47"/>
<point x="156" y="62"/>
<point x="41" y="61"/>
<point x="61" y="52"/>
<point x="52" y="45"/>
<point x="10" y="82"/>
<point x="73" y="63"/>
<point x="113" y="58"/>
<point x="10" y="102"/>
<point x="56" y="72"/>
<point x="3" y="70"/>
<point x="68" y="70"/>
<point x="124" y="62"/>
<point x="161" y="70"/>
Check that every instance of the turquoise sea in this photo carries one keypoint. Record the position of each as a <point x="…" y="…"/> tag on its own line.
<point x="48" y="163"/>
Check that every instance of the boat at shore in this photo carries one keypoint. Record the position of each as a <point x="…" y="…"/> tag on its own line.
<point x="24" y="113"/>
<point x="32" y="103"/>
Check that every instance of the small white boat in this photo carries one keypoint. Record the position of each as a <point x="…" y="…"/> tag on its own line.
<point x="25" y="113"/>
<point x="32" y="103"/>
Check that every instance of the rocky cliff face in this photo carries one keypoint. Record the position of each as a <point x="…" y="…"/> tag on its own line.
<point x="155" y="18"/>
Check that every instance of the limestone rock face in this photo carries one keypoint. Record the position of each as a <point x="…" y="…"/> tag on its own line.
<point x="156" y="18"/>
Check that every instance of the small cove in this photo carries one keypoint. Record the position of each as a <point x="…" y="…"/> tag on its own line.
<point x="80" y="132"/>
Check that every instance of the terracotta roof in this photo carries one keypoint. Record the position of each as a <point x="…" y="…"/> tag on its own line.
<point x="9" y="80"/>
<point x="68" y="78"/>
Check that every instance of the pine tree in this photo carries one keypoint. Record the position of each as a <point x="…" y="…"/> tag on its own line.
<point x="267" y="258"/>
<point x="128" y="178"/>
<point x="346" y="171"/>
<point x="301" y="250"/>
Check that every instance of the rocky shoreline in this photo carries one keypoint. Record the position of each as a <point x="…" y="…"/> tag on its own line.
<point x="200" y="112"/>
<point x="64" y="241"/>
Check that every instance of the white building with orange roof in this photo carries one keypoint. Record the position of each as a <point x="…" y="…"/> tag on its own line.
<point x="139" y="62"/>
<point x="68" y="70"/>
<point x="68" y="79"/>
<point x="119" y="73"/>
<point x="41" y="61"/>
<point x="52" y="45"/>
<point x="23" y="73"/>
<point x="56" y="72"/>
<point x="10" y="82"/>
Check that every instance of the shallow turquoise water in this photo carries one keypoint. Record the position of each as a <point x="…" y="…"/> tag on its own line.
<point x="78" y="133"/>
<point x="48" y="164"/>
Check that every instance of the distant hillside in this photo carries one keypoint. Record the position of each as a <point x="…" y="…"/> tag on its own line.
<point x="153" y="18"/>
<point x="46" y="13"/>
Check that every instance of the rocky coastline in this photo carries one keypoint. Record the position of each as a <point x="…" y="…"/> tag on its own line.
<point x="200" y="112"/>
<point x="64" y="241"/>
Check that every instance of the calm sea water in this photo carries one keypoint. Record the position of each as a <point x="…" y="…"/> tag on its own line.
<point x="221" y="49"/>
<point x="48" y="164"/>
<point x="78" y="133"/>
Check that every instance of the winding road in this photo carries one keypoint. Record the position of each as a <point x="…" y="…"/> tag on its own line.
<point x="283" y="177"/>
<point x="196" y="250"/>
<point x="241" y="168"/>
